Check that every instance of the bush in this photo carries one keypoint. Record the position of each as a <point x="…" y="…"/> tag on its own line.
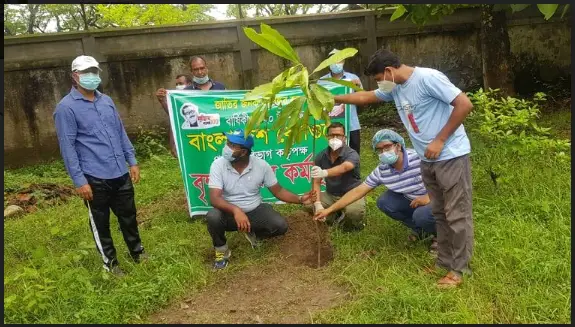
<point x="511" y="122"/>
<point x="150" y="142"/>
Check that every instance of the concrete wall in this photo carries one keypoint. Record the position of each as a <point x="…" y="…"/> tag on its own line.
<point x="138" y="61"/>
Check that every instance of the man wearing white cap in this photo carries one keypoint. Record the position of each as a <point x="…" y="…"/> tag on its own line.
<point x="336" y="71"/>
<point x="95" y="149"/>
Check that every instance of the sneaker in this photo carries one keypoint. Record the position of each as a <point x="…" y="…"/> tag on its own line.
<point x="252" y="238"/>
<point x="222" y="259"/>
<point x="115" y="270"/>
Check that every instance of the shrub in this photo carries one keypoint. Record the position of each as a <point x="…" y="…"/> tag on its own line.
<point x="150" y="142"/>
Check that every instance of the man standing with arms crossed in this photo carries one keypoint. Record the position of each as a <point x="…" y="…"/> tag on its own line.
<point x="95" y="149"/>
<point x="432" y="110"/>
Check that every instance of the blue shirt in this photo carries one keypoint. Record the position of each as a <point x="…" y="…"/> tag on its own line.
<point x="215" y="86"/>
<point x="407" y="182"/>
<point x="428" y="94"/>
<point x="92" y="138"/>
<point x="353" y="119"/>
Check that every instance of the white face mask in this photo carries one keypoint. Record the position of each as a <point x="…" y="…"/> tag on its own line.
<point x="180" y="87"/>
<point x="335" y="144"/>
<point x="386" y="86"/>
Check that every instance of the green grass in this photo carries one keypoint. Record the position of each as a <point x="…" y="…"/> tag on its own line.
<point x="521" y="262"/>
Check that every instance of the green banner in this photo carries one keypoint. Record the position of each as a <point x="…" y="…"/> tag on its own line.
<point x="199" y="118"/>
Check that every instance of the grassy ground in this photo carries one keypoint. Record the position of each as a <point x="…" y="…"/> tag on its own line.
<point x="522" y="259"/>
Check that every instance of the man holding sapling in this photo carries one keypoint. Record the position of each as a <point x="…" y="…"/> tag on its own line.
<point x="235" y="184"/>
<point x="432" y="110"/>
<point x="339" y="165"/>
<point x="336" y="71"/>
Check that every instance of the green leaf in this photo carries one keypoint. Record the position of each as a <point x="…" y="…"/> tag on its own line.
<point x="349" y="84"/>
<point x="547" y="9"/>
<point x="293" y="80"/>
<point x="279" y="82"/>
<point x="315" y="106"/>
<point x="271" y="43"/>
<point x="292" y="107"/>
<point x="324" y="97"/>
<point x="293" y="111"/>
<point x="399" y="11"/>
<point x="516" y="8"/>
<point x="255" y="119"/>
<point x="259" y="91"/>
<point x="339" y="56"/>
<point x="565" y="9"/>
<point x="281" y="41"/>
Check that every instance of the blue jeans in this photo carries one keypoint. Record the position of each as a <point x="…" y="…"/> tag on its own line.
<point x="420" y="220"/>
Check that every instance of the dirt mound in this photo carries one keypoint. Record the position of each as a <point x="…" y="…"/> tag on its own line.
<point x="288" y="289"/>
<point x="299" y="245"/>
<point x="38" y="195"/>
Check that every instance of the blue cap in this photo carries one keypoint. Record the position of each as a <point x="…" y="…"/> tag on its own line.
<point x="237" y="137"/>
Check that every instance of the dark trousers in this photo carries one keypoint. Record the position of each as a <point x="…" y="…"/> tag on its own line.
<point x="116" y="194"/>
<point x="420" y="220"/>
<point x="449" y="185"/>
<point x="265" y="222"/>
<point x="354" y="141"/>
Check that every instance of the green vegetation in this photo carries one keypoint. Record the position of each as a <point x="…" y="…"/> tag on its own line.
<point x="522" y="259"/>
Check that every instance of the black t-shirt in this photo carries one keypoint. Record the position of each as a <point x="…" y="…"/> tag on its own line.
<point x="339" y="185"/>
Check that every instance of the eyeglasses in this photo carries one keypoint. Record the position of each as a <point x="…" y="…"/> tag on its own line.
<point x="385" y="148"/>
<point x="338" y="136"/>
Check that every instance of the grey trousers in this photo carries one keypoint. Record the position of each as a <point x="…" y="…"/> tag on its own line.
<point x="265" y="222"/>
<point x="449" y="186"/>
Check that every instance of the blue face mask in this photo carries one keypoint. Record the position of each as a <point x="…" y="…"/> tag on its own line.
<point x="388" y="157"/>
<point x="89" y="81"/>
<point x="228" y="154"/>
<point x="336" y="68"/>
<point x="201" y="80"/>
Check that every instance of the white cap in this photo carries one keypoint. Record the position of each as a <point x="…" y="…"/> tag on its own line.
<point x="84" y="62"/>
<point x="334" y="51"/>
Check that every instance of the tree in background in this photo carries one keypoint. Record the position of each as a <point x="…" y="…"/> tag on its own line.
<point x="494" y="37"/>
<point x="34" y="18"/>
<point x="267" y="10"/>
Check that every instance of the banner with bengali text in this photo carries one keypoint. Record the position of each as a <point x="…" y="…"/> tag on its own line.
<point x="199" y="118"/>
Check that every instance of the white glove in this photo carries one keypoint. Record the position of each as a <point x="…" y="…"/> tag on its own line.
<point x="317" y="172"/>
<point x="317" y="206"/>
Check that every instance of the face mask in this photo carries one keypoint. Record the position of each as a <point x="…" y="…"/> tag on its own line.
<point x="336" y="68"/>
<point x="180" y="87"/>
<point x="228" y="153"/>
<point x="386" y="86"/>
<point x="388" y="157"/>
<point x="201" y="80"/>
<point x="89" y="81"/>
<point x="335" y="144"/>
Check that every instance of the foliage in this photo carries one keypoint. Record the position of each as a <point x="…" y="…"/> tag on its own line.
<point x="20" y="19"/>
<point x="510" y="123"/>
<point x="150" y="142"/>
<point x="317" y="101"/>
<point x="119" y="15"/>
<point x="285" y="9"/>
<point x="422" y="13"/>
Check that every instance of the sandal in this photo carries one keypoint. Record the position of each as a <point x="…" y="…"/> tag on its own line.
<point x="450" y="280"/>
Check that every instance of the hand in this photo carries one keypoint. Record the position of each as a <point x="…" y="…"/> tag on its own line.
<point x="242" y="221"/>
<point x="317" y="172"/>
<point x="420" y="201"/>
<point x="356" y="82"/>
<point x="321" y="215"/>
<point x="85" y="192"/>
<point x="161" y="94"/>
<point x="309" y="197"/>
<point x="336" y="111"/>
<point x="434" y="149"/>
<point x="135" y="173"/>
<point x="317" y="206"/>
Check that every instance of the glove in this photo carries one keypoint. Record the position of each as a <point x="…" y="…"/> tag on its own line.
<point x="317" y="206"/>
<point x="317" y="172"/>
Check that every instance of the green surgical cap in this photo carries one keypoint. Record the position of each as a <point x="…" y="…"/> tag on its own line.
<point x="387" y="135"/>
